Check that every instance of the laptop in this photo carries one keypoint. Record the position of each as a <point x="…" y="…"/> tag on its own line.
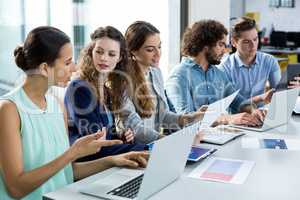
<point x="288" y="75"/>
<point x="279" y="111"/>
<point x="140" y="184"/>
<point x="221" y="134"/>
<point x="297" y="106"/>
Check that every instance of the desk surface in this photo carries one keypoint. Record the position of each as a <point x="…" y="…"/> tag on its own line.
<point x="281" y="59"/>
<point x="273" y="50"/>
<point x="276" y="174"/>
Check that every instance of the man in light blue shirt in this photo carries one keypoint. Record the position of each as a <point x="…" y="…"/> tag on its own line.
<point x="198" y="86"/>
<point x="196" y="81"/>
<point x="248" y="69"/>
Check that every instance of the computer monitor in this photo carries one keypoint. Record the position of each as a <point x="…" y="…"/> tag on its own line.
<point x="290" y="36"/>
<point x="278" y="39"/>
<point x="294" y="37"/>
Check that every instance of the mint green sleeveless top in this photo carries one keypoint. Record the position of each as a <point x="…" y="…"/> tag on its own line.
<point x="44" y="138"/>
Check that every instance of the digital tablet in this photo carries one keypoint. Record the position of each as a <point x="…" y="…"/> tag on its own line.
<point x="197" y="153"/>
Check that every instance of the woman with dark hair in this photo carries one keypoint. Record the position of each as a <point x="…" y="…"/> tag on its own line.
<point x="35" y="157"/>
<point x="146" y="110"/>
<point x="92" y="98"/>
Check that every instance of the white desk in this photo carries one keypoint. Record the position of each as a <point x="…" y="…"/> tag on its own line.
<point x="273" y="50"/>
<point x="282" y="59"/>
<point x="276" y="174"/>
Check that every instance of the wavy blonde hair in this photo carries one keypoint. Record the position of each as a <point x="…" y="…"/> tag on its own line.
<point x="115" y="88"/>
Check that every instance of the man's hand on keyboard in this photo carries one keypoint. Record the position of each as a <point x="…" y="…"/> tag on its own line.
<point x="259" y="114"/>
<point x="244" y="119"/>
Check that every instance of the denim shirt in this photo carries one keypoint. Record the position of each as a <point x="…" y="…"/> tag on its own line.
<point x="251" y="80"/>
<point x="189" y="87"/>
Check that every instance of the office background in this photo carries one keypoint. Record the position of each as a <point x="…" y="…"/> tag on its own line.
<point x="79" y="17"/>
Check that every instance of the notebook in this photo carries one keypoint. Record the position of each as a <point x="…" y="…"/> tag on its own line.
<point x="221" y="135"/>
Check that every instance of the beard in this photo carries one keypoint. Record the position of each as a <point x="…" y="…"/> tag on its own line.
<point x="212" y="58"/>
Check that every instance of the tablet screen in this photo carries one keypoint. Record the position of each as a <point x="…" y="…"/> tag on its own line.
<point x="198" y="153"/>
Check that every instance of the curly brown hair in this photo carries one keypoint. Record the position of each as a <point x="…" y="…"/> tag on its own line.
<point x="136" y="35"/>
<point x="202" y="33"/>
<point x="115" y="86"/>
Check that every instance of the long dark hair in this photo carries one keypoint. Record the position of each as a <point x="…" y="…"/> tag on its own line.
<point x="136" y="35"/>
<point x="42" y="44"/>
<point x="116" y="81"/>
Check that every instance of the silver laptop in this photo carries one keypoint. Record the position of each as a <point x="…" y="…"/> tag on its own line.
<point x="279" y="111"/>
<point x="166" y="164"/>
<point x="292" y="70"/>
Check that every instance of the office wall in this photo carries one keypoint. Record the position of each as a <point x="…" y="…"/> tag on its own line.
<point x="212" y="9"/>
<point x="166" y="17"/>
<point x="237" y="8"/>
<point x="286" y="19"/>
<point x="174" y="36"/>
<point x="18" y="17"/>
<point x="10" y="36"/>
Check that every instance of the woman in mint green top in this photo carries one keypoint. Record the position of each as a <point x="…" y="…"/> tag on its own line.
<point x="35" y="157"/>
<point x="44" y="138"/>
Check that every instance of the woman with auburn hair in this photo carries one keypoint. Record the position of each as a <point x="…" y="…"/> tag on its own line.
<point x="35" y="157"/>
<point x="99" y="90"/>
<point x="146" y="110"/>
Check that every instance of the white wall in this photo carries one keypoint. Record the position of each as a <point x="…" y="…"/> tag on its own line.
<point x="237" y="8"/>
<point x="210" y="9"/>
<point x="10" y="37"/>
<point x="94" y="13"/>
<point x="174" y="36"/>
<point x="10" y="31"/>
<point x="286" y="19"/>
<point x="166" y="17"/>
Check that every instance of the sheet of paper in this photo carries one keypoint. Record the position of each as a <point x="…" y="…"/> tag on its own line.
<point x="271" y="143"/>
<point x="217" y="108"/>
<point x="223" y="170"/>
<point x="214" y="110"/>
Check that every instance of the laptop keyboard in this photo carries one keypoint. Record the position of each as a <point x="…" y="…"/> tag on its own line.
<point x="129" y="189"/>
<point x="254" y="126"/>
